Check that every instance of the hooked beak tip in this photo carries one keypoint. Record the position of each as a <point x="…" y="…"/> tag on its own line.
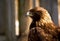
<point x="28" y="13"/>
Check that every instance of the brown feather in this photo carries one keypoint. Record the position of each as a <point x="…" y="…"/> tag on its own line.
<point x="42" y="27"/>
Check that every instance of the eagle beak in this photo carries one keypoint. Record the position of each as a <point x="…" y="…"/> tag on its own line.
<point x="29" y="14"/>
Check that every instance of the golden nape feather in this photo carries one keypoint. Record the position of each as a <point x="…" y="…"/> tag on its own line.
<point x="42" y="27"/>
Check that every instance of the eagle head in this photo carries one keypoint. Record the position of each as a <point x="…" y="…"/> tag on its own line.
<point x="39" y="14"/>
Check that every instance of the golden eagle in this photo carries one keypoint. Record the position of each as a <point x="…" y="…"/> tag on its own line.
<point x="42" y="27"/>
